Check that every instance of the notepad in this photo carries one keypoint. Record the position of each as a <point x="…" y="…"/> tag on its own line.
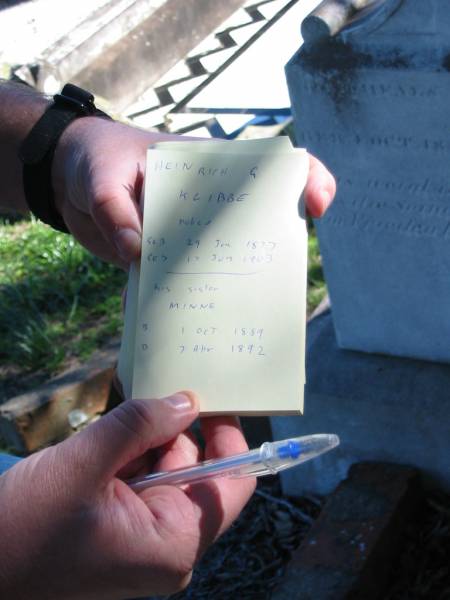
<point x="217" y="304"/>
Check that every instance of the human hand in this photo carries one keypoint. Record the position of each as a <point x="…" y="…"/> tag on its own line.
<point x="98" y="171"/>
<point x="71" y="528"/>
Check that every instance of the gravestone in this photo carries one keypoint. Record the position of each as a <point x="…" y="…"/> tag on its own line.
<point x="373" y="102"/>
<point x="370" y="97"/>
<point x="383" y="408"/>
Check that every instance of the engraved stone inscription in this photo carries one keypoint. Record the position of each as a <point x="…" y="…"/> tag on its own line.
<point x="375" y="109"/>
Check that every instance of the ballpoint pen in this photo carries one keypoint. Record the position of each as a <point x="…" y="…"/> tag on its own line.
<point x="268" y="459"/>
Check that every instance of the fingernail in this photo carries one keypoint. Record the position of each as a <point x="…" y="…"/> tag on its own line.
<point x="128" y="244"/>
<point x="180" y="402"/>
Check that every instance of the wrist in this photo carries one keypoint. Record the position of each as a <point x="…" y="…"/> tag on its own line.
<point x="38" y="149"/>
<point x="68" y="159"/>
<point x="20" y="108"/>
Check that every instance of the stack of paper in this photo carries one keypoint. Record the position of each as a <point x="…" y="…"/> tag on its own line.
<point x="217" y="304"/>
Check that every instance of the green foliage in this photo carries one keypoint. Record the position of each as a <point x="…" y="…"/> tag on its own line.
<point x="317" y="288"/>
<point x="57" y="301"/>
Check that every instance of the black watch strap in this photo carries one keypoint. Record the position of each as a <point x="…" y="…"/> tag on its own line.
<point x="38" y="149"/>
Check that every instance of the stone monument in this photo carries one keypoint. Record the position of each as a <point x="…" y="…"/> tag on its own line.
<point x="385" y="409"/>
<point x="370" y="91"/>
<point x="373" y="102"/>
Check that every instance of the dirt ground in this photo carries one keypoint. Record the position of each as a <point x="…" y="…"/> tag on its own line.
<point x="250" y="559"/>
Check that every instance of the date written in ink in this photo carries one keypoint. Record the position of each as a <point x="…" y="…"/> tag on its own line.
<point x="196" y="349"/>
<point x="249" y="331"/>
<point x="257" y="258"/>
<point x="261" y="245"/>
<point x="201" y="330"/>
<point x="254" y="349"/>
<point x="155" y="242"/>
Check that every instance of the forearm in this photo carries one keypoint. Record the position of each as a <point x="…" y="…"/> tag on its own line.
<point x="20" y="109"/>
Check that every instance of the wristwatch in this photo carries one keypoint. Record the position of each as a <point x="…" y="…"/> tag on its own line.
<point x="37" y="150"/>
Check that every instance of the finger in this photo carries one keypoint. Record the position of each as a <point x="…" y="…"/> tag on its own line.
<point x="223" y="437"/>
<point x="320" y="188"/>
<point x="87" y="233"/>
<point x="179" y="452"/>
<point x="220" y="501"/>
<point x="214" y="505"/>
<point x="114" y="208"/>
<point x="138" y="467"/>
<point x="115" y="188"/>
<point x="126" y="433"/>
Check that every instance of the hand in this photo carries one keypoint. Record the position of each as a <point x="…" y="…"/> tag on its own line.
<point x="320" y="188"/>
<point x="98" y="171"/>
<point x="71" y="528"/>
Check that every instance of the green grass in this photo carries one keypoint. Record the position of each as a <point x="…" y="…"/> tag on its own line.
<point x="57" y="301"/>
<point x="317" y="288"/>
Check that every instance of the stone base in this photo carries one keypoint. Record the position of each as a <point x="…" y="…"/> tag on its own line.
<point x="349" y="551"/>
<point x="383" y="408"/>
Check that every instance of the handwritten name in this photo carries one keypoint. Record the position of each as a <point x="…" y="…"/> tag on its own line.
<point x="202" y="171"/>
<point x="191" y="306"/>
<point x="215" y="197"/>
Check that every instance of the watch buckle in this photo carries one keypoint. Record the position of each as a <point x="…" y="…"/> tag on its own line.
<point x="76" y="98"/>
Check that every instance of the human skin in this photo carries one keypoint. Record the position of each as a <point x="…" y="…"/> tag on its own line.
<point x="69" y="525"/>
<point x="72" y="529"/>
<point x="98" y="171"/>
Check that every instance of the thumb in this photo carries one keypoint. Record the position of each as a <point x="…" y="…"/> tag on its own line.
<point x="98" y="176"/>
<point x="320" y="188"/>
<point x="127" y="432"/>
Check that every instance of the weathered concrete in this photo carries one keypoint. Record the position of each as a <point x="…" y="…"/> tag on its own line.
<point x="372" y="102"/>
<point x="383" y="409"/>
<point x="100" y="30"/>
<point x="349" y="552"/>
<point x="129" y="52"/>
<point x="53" y="411"/>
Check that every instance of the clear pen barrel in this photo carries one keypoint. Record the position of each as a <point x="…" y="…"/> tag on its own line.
<point x="276" y="456"/>
<point x="232" y="466"/>
<point x="295" y="451"/>
<point x="270" y="458"/>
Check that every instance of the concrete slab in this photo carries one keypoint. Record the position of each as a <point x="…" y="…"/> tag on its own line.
<point x="29" y="28"/>
<point x="383" y="408"/>
<point x="134" y="63"/>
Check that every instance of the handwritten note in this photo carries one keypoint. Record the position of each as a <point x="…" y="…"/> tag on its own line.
<point x="218" y="302"/>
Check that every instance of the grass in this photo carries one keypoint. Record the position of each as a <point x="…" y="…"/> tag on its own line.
<point x="317" y="288"/>
<point x="57" y="301"/>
